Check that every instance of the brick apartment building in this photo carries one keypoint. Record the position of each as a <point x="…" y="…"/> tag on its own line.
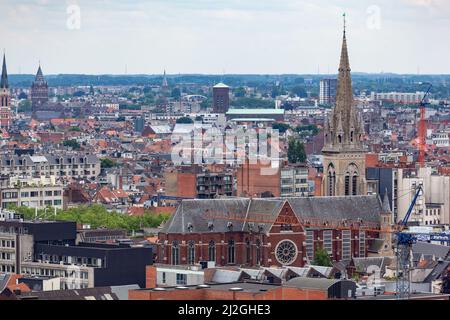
<point x="272" y="232"/>
<point x="253" y="181"/>
<point x="198" y="182"/>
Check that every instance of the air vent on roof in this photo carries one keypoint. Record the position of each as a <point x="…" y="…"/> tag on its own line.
<point x="159" y="289"/>
<point x="236" y="289"/>
<point x="190" y="227"/>
<point x="203" y="286"/>
<point x="181" y="288"/>
<point x="230" y="225"/>
<point x="210" y="226"/>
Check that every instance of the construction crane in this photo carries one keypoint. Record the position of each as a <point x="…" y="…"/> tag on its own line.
<point x="422" y="128"/>
<point x="403" y="247"/>
<point x="403" y="243"/>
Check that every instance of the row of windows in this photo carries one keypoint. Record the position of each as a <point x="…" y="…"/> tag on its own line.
<point x="55" y="273"/>
<point x="7" y="268"/>
<point x="7" y="244"/>
<point x="328" y="244"/>
<point x="231" y="250"/>
<point x="30" y="194"/>
<point x="7" y="256"/>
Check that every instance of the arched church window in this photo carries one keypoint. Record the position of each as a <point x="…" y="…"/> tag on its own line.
<point x="351" y="136"/>
<point x="340" y="138"/>
<point x="355" y="184"/>
<point x="191" y="252"/>
<point x="175" y="253"/>
<point x="231" y="251"/>
<point x="212" y="251"/>
<point x="347" y="184"/>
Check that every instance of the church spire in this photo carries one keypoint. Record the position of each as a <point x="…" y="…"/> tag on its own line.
<point x="344" y="94"/>
<point x="4" y="80"/>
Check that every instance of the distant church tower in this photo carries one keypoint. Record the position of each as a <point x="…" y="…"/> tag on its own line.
<point x="165" y="84"/>
<point x="39" y="92"/>
<point x="344" y="165"/>
<point x="5" y="98"/>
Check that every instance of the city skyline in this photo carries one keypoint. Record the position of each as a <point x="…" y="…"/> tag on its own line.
<point x="218" y="37"/>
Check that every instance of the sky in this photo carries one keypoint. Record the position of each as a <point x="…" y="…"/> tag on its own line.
<point x="224" y="36"/>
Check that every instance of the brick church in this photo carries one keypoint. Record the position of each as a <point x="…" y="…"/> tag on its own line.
<point x="273" y="231"/>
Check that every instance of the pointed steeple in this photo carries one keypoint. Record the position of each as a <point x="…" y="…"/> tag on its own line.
<point x="4" y="80"/>
<point x="39" y="75"/>
<point x="344" y="94"/>
<point x="164" y="81"/>
<point x="386" y="207"/>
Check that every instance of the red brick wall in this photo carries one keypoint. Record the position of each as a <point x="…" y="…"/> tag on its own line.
<point x="251" y="182"/>
<point x="150" y="277"/>
<point x="279" y="293"/>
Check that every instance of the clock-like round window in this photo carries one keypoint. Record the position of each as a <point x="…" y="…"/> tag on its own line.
<point x="286" y="252"/>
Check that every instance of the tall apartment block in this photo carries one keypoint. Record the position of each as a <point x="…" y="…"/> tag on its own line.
<point x="328" y="91"/>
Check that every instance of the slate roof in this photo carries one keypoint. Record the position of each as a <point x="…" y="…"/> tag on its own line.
<point x="425" y="248"/>
<point x="191" y="212"/>
<point x="100" y="293"/>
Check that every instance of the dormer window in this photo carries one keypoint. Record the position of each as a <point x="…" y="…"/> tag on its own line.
<point x="230" y="225"/>
<point x="190" y="227"/>
<point x="210" y="226"/>
<point x="340" y="138"/>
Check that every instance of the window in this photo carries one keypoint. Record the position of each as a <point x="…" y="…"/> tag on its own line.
<point x="328" y="241"/>
<point x="258" y="252"/>
<point x="191" y="252"/>
<point x="286" y="252"/>
<point x="310" y="245"/>
<point x="231" y="251"/>
<point x="212" y="251"/>
<point x="181" y="279"/>
<point x="331" y="180"/>
<point x="354" y="185"/>
<point x="362" y="244"/>
<point x="346" y="245"/>
<point x="175" y="253"/>
<point x="248" y="251"/>
<point x="347" y="185"/>
<point x="163" y="277"/>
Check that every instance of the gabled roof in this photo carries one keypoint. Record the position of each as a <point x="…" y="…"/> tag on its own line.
<point x="194" y="212"/>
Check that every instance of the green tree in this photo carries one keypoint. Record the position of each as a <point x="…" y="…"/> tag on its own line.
<point x="299" y="91"/>
<point x="72" y="143"/>
<point x="281" y="127"/>
<point x="107" y="163"/>
<point x="322" y="258"/>
<point x="296" y="151"/>
<point x="24" y="106"/>
<point x="185" y="120"/>
<point x="176" y="93"/>
<point x="239" y="92"/>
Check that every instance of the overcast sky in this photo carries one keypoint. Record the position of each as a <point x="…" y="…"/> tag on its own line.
<point x="224" y="36"/>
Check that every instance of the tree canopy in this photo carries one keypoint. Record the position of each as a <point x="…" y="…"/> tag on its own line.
<point x="72" y="143"/>
<point x="185" y="120"/>
<point x="322" y="258"/>
<point x="296" y="151"/>
<point x="96" y="216"/>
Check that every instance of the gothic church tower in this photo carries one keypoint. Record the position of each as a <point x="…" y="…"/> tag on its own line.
<point x="343" y="152"/>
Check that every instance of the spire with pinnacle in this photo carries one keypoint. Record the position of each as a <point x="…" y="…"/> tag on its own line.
<point x="4" y="80"/>
<point x="39" y="75"/>
<point x="344" y="115"/>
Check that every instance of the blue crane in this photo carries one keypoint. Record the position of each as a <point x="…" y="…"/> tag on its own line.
<point x="405" y="240"/>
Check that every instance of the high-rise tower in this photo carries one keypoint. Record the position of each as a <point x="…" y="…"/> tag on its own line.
<point x="39" y="92"/>
<point x="5" y="98"/>
<point x="344" y="153"/>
